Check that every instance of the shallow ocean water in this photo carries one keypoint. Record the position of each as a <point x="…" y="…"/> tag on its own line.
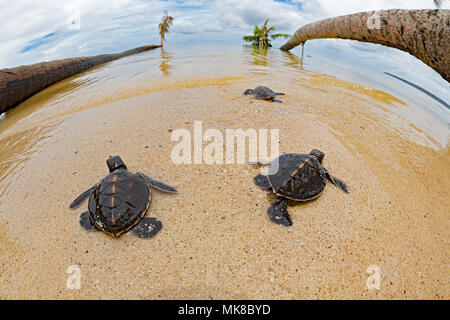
<point x="386" y="139"/>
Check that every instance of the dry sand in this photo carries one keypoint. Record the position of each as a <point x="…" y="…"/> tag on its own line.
<point x="217" y="241"/>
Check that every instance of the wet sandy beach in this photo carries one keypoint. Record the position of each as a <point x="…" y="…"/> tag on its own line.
<point x="217" y="241"/>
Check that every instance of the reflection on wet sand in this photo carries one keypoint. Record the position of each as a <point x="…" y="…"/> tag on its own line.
<point x="258" y="55"/>
<point x="376" y="94"/>
<point x="165" y="59"/>
<point x="292" y="60"/>
<point x="17" y="149"/>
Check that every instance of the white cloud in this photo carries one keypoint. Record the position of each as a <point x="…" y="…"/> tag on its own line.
<point x="334" y="8"/>
<point x="114" y="25"/>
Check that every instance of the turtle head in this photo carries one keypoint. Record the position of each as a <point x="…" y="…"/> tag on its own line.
<point x="248" y="91"/>
<point x="318" y="154"/>
<point x="114" y="163"/>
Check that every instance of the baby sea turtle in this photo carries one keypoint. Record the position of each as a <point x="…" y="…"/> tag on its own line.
<point x="263" y="93"/>
<point x="298" y="177"/>
<point x="120" y="201"/>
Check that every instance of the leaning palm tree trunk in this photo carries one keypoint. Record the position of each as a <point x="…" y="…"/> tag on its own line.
<point x="423" y="33"/>
<point x="17" y="84"/>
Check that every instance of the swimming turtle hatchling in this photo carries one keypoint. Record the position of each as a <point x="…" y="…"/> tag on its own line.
<point x="120" y="201"/>
<point x="263" y="93"/>
<point x="298" y="177"/>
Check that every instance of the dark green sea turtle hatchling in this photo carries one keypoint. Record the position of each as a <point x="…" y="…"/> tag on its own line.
<point x="298" y="177"/>
<point x="263" y="93"/>
<point x="120" y="201"/>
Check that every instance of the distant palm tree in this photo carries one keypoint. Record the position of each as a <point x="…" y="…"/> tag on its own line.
<point x="164" y="26"/>
<point x="261" y="36"/>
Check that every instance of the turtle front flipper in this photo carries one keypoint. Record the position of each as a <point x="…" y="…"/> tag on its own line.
<point x="262" y="182"/>
<point x="158" y="185"/>
<point x="278" y="212"/>
<point x="80" y="199"/>
<point x="85" y="222"/>
<point x="147" y="228"/>
<point x="279" y="93"/>
<point x="337" y="182"/>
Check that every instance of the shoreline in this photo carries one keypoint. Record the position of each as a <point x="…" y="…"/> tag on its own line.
<point x="19" y="83"/>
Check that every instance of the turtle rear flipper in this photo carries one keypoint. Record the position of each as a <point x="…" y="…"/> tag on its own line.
<point x="86" y="223"/>
<point x="147" y="228"/>
<point x="81" y="198"/>
<point x="337" y="182"/>
<point x="262" y="182"/>
<point x="158" y="185"/>
<point x="278" y="212"/>
<point x="279" y="93"/>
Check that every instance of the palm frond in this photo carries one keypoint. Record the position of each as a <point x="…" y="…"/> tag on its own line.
<point x="280" y="35"/>
<point x="249" y="38"/>
<point x="164" y="26"/>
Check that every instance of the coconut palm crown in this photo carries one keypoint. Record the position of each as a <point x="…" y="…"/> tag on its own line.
<point x="261" y="36"/>
<point x="164" y="26"/>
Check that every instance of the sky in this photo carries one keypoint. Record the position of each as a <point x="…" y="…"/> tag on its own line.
<point x="38" y="30"/>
